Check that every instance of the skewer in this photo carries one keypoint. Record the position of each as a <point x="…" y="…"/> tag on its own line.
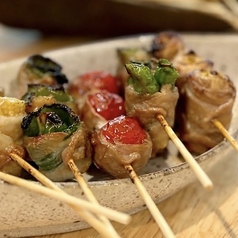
<point x="89" y="194"/>
<point x="166" y="230"/>
<point x="201" y="175"/>
<point x="64" y="197"/>
<point x="47" y="182"/>
<point x="225" y="133"/>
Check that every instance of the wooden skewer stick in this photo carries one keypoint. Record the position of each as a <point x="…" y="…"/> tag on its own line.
<point x="89" y="194"/>
<point x="225" y="133"/>
<point x="88" y="217"/>
<point x="166" y="230"/>
<point x="201" y="175"/>
<point x="62" y="196"/>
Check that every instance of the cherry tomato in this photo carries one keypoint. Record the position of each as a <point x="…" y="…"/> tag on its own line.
<point x="125" y="130"/>
<point x="108" y="105"/>
<point x="94" y="80"/>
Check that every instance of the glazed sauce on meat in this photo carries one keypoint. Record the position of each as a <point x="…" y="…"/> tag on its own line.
<point x="125" y="130"/>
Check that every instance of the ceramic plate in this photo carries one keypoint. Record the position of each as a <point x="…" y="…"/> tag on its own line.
<point x="24" y="213"/>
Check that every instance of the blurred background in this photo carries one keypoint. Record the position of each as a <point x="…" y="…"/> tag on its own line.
<point x="28" y="27"/>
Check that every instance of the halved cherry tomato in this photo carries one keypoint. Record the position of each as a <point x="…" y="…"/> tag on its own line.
<point x="108" y="105"/>
<point x="125" y="130"/>
<point x="94" y="80"/>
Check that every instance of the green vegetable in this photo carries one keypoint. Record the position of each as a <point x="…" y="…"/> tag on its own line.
<point x="142" y="78"/>
<point x="49" y="119"/>
<point x="149" y="78"/>
<point x="47" y="132"/>
<point x="55" y="91"/>
<point x="40" y="66"/>
<point x="165" y="73"/>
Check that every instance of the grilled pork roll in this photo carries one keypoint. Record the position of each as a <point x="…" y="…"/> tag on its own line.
<point x="7" y="146"/>
<point x="207" y="95"/>
<point x="148" y="95"/>
<point x="120" y="142"/>
<point x="167" y="45"/>
<point x="52" y="136"/>
<point x="38" y="70"/>
<point x="186" y="62"/>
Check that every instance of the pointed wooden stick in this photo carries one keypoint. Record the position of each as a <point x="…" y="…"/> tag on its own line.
<point x="81" y="204"/>
<point x="225" y="133"/>
<point x="201" y="175"/>
<point x="88" y="217"/>
<point x="89" y="194"/>
<point x="166" y="230"/>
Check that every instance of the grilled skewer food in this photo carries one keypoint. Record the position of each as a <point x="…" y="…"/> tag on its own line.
<point x="207" y="95"/>
<point x="148" y="95"/>
<point x="52" y="136"/>
<point x="120" y="142"/>
<point x="38" y="69"/>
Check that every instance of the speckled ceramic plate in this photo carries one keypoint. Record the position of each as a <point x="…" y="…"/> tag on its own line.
<point x="24" y="213"/>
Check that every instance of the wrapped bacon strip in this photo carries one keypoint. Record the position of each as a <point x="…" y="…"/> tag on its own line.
<point x="12" y="111"/>
<point x="122" y="141"/>
<point x="148" y="95"/>
<point x="207" y="95"/>
<point x="52" y="136"/>
<point x="38" y="69"/>
<point x="7" y="146"/>
<point x="186" y="62"/>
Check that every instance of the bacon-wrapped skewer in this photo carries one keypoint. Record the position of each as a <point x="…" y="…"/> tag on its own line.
<point x="186" y="62"/>
<point x="52" y="136"/>
<point x="38" y="69"/>
<point x="121" y="148"/>
<point x="120" y="142"/>
<point x="207" y="95"/>
<point x="12" y="111"/>
<point x="166" y="45"/>
<point x="150" y="94"/>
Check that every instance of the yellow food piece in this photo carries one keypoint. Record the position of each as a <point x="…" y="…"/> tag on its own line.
<point x="11" y="106"/>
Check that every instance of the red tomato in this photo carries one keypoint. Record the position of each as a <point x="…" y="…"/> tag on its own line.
<point x="125" y="130"/>
<point x="94" y="80"/>
<point x="108" y="105"/>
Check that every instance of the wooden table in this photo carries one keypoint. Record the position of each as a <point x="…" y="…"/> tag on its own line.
<point x="192" y="212"/>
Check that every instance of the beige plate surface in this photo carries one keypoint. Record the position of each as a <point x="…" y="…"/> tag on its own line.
<point x="23" y="213"/>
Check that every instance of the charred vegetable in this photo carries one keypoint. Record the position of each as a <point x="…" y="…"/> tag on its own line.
<point x="150" y="93"/>
<point x="122" y="141"/>
<point x="39" y="70"/>
<point x="38" y="95"/>
<point x="52" y="136"/>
